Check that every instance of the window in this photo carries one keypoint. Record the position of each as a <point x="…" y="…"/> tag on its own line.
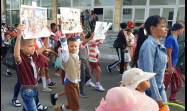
<point x="168" y="13"/>
<point x="47" y="4"/>
<point x="29" y="2"/>
<point x="103" y="2"/>
<point x="108" y="13"/>
<point x="154" y="11"/>
<point x="15" y="17"/>
<point x="12" y="4"/>
<point x="64" y="3"/>
<point x="99" y="12"/>
<point x="134" y="2"/>
<point x="127" y="14"/>
<point x="182" y="2"/>
<point x="181" y="14"/>
<point x="139" y="14"/>
<point x="12" y="17"/>
<point x="82" y="3"/>
<point x="162" y="2"/>
<point x="8" y="17"/>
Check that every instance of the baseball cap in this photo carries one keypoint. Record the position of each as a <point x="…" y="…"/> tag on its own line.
<point x="130" y="24"/>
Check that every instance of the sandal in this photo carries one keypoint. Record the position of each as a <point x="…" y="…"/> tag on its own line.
<point x="41" y="107"/>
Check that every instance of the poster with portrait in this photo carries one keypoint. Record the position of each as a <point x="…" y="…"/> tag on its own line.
<point x="35" y="21"/>
<point x="70" y="20"/>
<point x="100" y="30"/>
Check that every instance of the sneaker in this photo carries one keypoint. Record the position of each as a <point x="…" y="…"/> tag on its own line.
<point x="53" y="99"/>
<point x="99" y="88"/>
<point x="108" y="69"/>
<point x="8" y="74"/>
<point x="118" y="68"/>
<point x="52" y="84"/>
<point x="90" y="84"/>
<point x="83" y="95"/>
<point x="40" y="107"/>
<point x="47" y="89"/>
<point x="16" y="103"/>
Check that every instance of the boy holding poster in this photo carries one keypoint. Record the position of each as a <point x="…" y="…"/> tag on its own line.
<point x="25" y="59"/>
<point x="71" y="63"/>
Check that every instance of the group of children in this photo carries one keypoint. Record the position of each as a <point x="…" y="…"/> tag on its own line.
<point x="77" y="58"/>
<point x="31" y="60"/>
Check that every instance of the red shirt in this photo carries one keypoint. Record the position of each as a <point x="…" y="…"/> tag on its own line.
<point x="25" y="71"/>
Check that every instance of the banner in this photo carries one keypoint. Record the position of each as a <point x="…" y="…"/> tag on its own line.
<point x="70" y="20"/>
<point x="35" y="21"/>
<point x="100" y="30"/>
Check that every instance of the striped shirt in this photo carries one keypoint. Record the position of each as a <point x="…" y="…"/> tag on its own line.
<point x="93" y="50"/>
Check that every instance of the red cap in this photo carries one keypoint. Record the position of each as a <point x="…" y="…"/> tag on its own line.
<point x="130" y="24"/>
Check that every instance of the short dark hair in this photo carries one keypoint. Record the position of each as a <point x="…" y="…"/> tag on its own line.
<point x="123" y="25"/>
<point x="53" y="25"/>
<point x="71" y="39"/>
<point x="177" y="26"/>
<point x="16" y="25"/>
<point x="152" y="21"/>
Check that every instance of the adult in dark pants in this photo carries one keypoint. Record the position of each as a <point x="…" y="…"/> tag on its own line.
<point x="141" y="38"/>
<point x="120" y="44"/>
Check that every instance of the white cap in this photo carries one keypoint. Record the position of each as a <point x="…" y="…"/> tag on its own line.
<point x="133" y="77"/>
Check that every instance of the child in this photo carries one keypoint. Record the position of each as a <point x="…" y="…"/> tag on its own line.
<point x="42" y="64"/>
<point x="93" y="58"/>
<point x="125" y="99"/>
<point x="137" y="79"/>
<point x="85" y="70"/>
<point x="129" y="49"/>
<point x="25" y="58"/>
<point x="71" y="63"/>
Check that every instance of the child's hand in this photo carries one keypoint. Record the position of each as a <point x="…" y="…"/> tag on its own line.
<point x="48" y="50"/>
<point x="20" y="30"/>
<point x="92" y="35"/>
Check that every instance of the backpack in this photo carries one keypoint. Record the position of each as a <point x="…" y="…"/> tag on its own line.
<point x="120" y="41"/>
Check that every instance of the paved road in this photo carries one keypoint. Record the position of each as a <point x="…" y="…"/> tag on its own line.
<point x="87" y="104"/>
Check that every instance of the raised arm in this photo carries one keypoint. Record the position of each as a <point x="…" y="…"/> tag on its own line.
<point x="17" y="57"/>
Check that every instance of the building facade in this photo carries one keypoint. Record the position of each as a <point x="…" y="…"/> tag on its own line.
<point x="114" y="11"/>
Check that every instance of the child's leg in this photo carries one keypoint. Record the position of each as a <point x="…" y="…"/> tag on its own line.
<point x="39" y="74"/>
<point x="81" y="83"/>
<point x="98" y="87"/>
<point x="87" y="72"/>
<point x="47" y="75"/>
<point x="42" y="72"/>
<point x="55" y="96"/>
<point x="122" y="61"/>
<point x="44" y="81"/>
<point x="98" y="73"/>
<point x="91" y="71"/>
<point x="50" y="83"/>
<point x="126" y="65"/>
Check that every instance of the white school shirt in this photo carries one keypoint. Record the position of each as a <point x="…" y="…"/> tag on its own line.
<point x="64" y="56"/>
<point x="33" y="67"/>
